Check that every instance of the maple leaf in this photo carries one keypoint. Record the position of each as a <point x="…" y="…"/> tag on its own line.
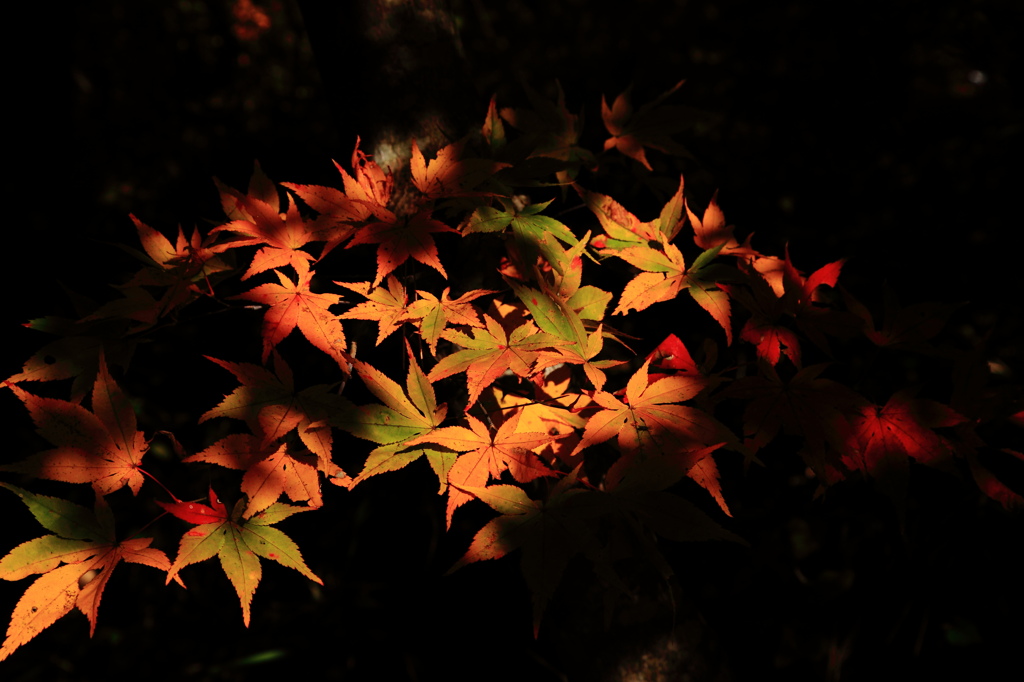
<point x="487" y="455"/>
<point x="269" y="471"/>
<point x="991" y="485"/>
<point x="371" y="186"/>
<point x="564" y="284"/>
<point x="887" y="435"/>
<point x="178" y="267"/>
<point x="76" y="353"/>
<point x="763" y="328"/>
<point x="268" y="403"/>
<point x="769" y="307"/>
<point x="651" y="126"/>
<point x="85" y="543"/>
<point x="493" y="130"/>
<point x="292" y="305"/>
<point x="533" y="234"/>
<point x="819" y="410"/>
<point x="365" y="197"/>
<point x="623" y="229"/>
<point x="448" y="175"/>
<point x="551" y="410"/>
<point x="435" y="314"/>
<point x="550" y="130"/>
<point x="550" y="532"/>
<point x="388" y="306"/>
<point x="666" y="275"/>
<point x="168" y="281"/>
<point x="237" y="545"/>
<point x="258" y="216"/>
<point x="260" y="187"/>
<point x="573" y="344"/>
<point x="648" y="425"/>
<point x="336" y="211"/>
<point x="284" y="235"/>
<point x="909" y="327"/>
<point x="403" y="416"/>
<point x="665" y="272"/>
<point x="711" y="231"/>
<point x="401" y="239"/>
<point x="672" y="354"/>
<point x="644" y="506"/>
<point x="489" y="352"/>
<point x="102" y="447"/>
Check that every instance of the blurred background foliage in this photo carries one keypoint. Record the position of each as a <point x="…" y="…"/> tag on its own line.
<point x="887" y="136"/>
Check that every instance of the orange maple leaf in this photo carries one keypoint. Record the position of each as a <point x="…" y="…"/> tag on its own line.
<point x="179" y="266"/>
<point x="270" y="471"/>
<point x="292" y="305"/>
<point x="712" y="231"/>
<point x="85" y="543"/>
<point x="102" y="447"/>
<point x="651" y="126"/>
<point x="371" y="186"/>
<point x="648" y="426"/>
<point x="258" y="216"/>
<point x="448" y="175"/>
<point x="388" y="306"/>
<point x="268" y="403"/>
<point x="487" y="454"/>
<point x="551" y="410"/>
<point x="401" y="239"/>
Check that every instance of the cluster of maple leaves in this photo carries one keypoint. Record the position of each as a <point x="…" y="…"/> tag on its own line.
<point x="545" y="378"/>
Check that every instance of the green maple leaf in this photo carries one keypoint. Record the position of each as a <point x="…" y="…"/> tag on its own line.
<point x="404" y="415"/>
<point x="489" y="352"/>
<point x="435" y="314"/>
<point x="238" y="545"/>
<point x="85" y="543"/>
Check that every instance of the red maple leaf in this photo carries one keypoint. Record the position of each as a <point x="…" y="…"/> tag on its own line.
<point x="819" y="410"/>
<point x="770" y="308"/>
<point x="887" y="435"/>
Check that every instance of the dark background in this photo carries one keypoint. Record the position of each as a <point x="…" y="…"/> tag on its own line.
<point x="888" y="137"/>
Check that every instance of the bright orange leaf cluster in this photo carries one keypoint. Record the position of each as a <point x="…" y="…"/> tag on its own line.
<point x="519" y="389"/>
